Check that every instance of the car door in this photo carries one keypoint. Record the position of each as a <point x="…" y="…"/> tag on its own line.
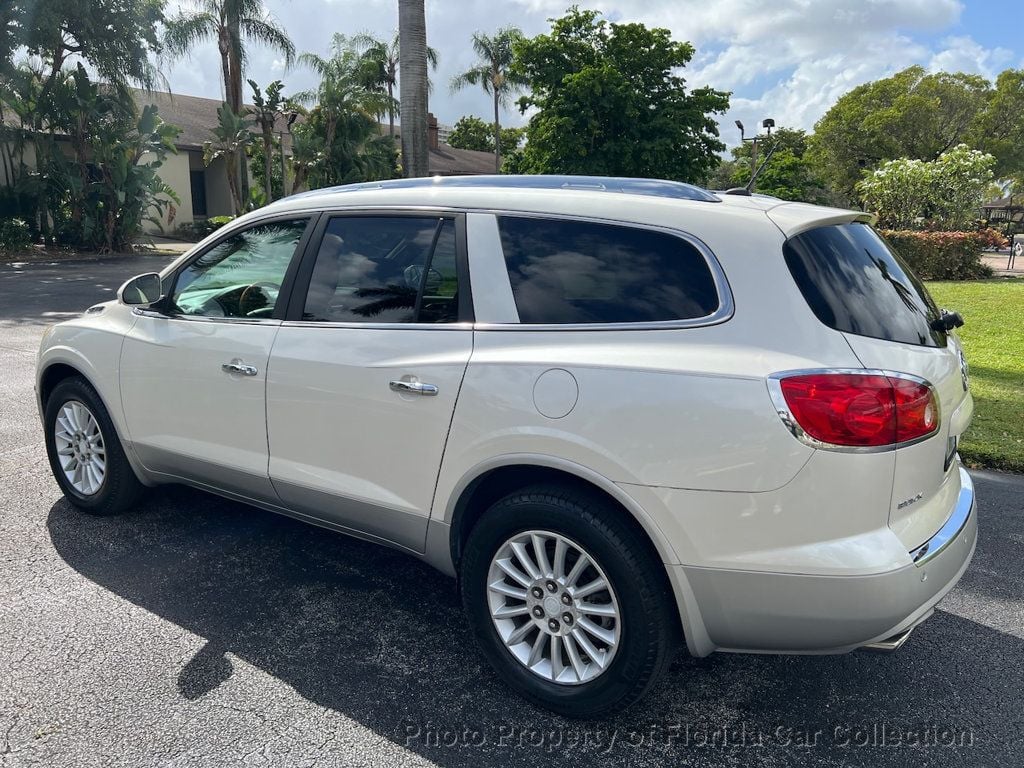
<point x="193" y="366"/>
<point x="366" y="369"/>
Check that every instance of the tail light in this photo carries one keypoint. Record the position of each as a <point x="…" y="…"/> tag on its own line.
<point x="857" y="409"/>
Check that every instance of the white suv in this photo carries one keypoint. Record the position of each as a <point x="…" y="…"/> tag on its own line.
<point x="622" y="412"/>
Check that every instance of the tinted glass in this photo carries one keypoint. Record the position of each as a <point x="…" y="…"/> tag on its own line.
<point x="582" y="272"/>
<point x="240" y="276"/>
<point x="383" y="269"/>
<point x="855" y="283"/>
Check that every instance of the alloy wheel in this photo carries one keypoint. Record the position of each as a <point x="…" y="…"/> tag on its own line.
<point x="80" y="447"/>
<point x="554" y="607"/>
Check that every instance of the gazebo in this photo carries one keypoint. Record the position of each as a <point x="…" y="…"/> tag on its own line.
<point x="1006" y="213"/>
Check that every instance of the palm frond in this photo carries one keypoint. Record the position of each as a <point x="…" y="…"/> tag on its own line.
<point x="266" y="32"/>
<point x="185" y="31"/>
<point x="477" y="76"/>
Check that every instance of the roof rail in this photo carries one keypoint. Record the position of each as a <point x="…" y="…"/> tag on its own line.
<point x="652" y="187"/>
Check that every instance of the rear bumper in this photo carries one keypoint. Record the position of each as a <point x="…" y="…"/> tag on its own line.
<point x="756" y="611"/>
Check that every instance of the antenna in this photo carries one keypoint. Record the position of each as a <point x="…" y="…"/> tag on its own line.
<point x="767" y="156"/>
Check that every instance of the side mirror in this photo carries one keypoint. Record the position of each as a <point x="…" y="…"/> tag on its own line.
<point x="141" y="290"/>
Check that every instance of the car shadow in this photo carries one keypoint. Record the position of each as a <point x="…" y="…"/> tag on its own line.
<point x="380" y="637"/>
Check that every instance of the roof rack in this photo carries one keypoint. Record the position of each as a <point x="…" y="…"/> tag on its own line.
<point x="652" y="187"/>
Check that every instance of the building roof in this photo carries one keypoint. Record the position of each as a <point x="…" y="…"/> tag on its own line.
<point x="197" y="116"/>
<point x="1013" y="201"/>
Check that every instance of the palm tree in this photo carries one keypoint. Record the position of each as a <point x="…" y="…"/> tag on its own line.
<point x="494" y="74"/>
<point x="412" y="82"/>
<point x="342" y="90"/>
<point x="267" y="108"/>
<point x="231" y="23"/>
<point x="382" y="66"/>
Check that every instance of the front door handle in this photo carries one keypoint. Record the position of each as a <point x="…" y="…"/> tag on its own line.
<point x="413" y="387"/>
<point x="237" y="366"/>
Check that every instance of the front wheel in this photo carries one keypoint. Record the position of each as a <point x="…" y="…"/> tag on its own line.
<point x="568" y="601"/>
<point x="86" y="457"/>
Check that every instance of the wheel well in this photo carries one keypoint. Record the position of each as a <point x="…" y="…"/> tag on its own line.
<point x="53" y="376"/>
<point x="480" y="494"/>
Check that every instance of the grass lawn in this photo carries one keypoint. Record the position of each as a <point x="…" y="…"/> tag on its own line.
<point x="993" y="338"/>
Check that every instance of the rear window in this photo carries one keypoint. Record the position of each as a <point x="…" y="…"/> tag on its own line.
<point x="856" y="284"/>
<point x="566" y="271"/>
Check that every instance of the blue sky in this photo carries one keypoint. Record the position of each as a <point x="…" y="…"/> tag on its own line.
<point x="786" y="59"/>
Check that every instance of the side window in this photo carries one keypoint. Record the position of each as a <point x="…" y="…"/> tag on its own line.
<point x="565" y="271"/>
<point x="240" y="276"/>
<point x="385" y="269"/>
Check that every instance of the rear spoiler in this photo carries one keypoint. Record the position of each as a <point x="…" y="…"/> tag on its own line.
<point x="794" y="218"/>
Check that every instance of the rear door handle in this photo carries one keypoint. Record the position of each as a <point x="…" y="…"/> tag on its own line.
<point x="413" y="387"/>
<point x="237" y="366"/>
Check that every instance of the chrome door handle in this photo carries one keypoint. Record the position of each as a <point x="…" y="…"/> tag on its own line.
<point x="413" y="387"/>
<point x="236" y="366"/>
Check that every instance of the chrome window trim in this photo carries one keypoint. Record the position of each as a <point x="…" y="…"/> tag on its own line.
<point x="725" y="311"/>
<point x="956" y="522"/>
<point x="145" y="312"/>
<point x="774" y="382"/>
<point x="726" y="307"/>
<point x="378" y="326"/>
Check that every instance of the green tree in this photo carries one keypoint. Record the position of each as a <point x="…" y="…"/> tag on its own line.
<point x="609" y="102"/>
<point x="413" y="84"/>
<point x="941" y="194"/>
<point x="471" y="132"/>
<point x="268" y="107"/>
<point x="109" y="186"/>
<point x="340" y="141"/>
<point x="230" y="138"/>
<point x="116" y="37"/>
<point x="911" y="114"/>
<point x="1000" y="126"/>
<point x="787" y="174"/>
<point x="258" y="155"/>
<point x="494" y="73"/>
<point x="381" y="59"/>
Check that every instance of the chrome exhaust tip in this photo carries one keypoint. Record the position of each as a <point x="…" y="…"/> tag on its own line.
<point x="894" y="643"/>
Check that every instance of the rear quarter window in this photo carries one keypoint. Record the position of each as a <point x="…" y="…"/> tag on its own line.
<point x="855" y="283"/>
<point x="570" y="272"/>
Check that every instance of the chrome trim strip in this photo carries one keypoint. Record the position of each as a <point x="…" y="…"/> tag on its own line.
<point x="782" y="408"/>
<point x="145" y="312"/>
<point x="379" y="326"/>
<point x="951" y="528"/>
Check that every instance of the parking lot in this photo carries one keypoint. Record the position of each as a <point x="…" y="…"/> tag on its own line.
<point x="200" y="632"/>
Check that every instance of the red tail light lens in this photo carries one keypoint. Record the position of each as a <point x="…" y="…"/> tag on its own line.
<point x="860" y="409"/>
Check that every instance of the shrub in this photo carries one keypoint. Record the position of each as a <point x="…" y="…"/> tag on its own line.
<point x="14" y="235"/>
<point x="945" y="255"/>
<point x="941" y="194"/>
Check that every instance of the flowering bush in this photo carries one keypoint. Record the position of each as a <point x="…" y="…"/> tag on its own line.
<point x="942" y="194"/>
<point x="945" y="255"/>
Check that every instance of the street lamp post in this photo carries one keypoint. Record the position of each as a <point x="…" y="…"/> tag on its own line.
<point x="768" y="123"/>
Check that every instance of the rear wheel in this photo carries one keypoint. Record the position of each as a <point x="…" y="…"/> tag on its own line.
<point x="86" y="457"/>
<point x="567" y="600"/>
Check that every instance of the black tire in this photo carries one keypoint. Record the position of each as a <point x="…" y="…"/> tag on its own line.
<point x="649" y="618"/>
<point x="120" y="489"/>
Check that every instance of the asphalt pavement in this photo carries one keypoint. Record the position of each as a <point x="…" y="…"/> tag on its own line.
<point x="200" y="632"/>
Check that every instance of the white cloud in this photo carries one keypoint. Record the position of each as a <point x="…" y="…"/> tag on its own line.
<point x="964" y="54"/>
<point x="786" y="59"/>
